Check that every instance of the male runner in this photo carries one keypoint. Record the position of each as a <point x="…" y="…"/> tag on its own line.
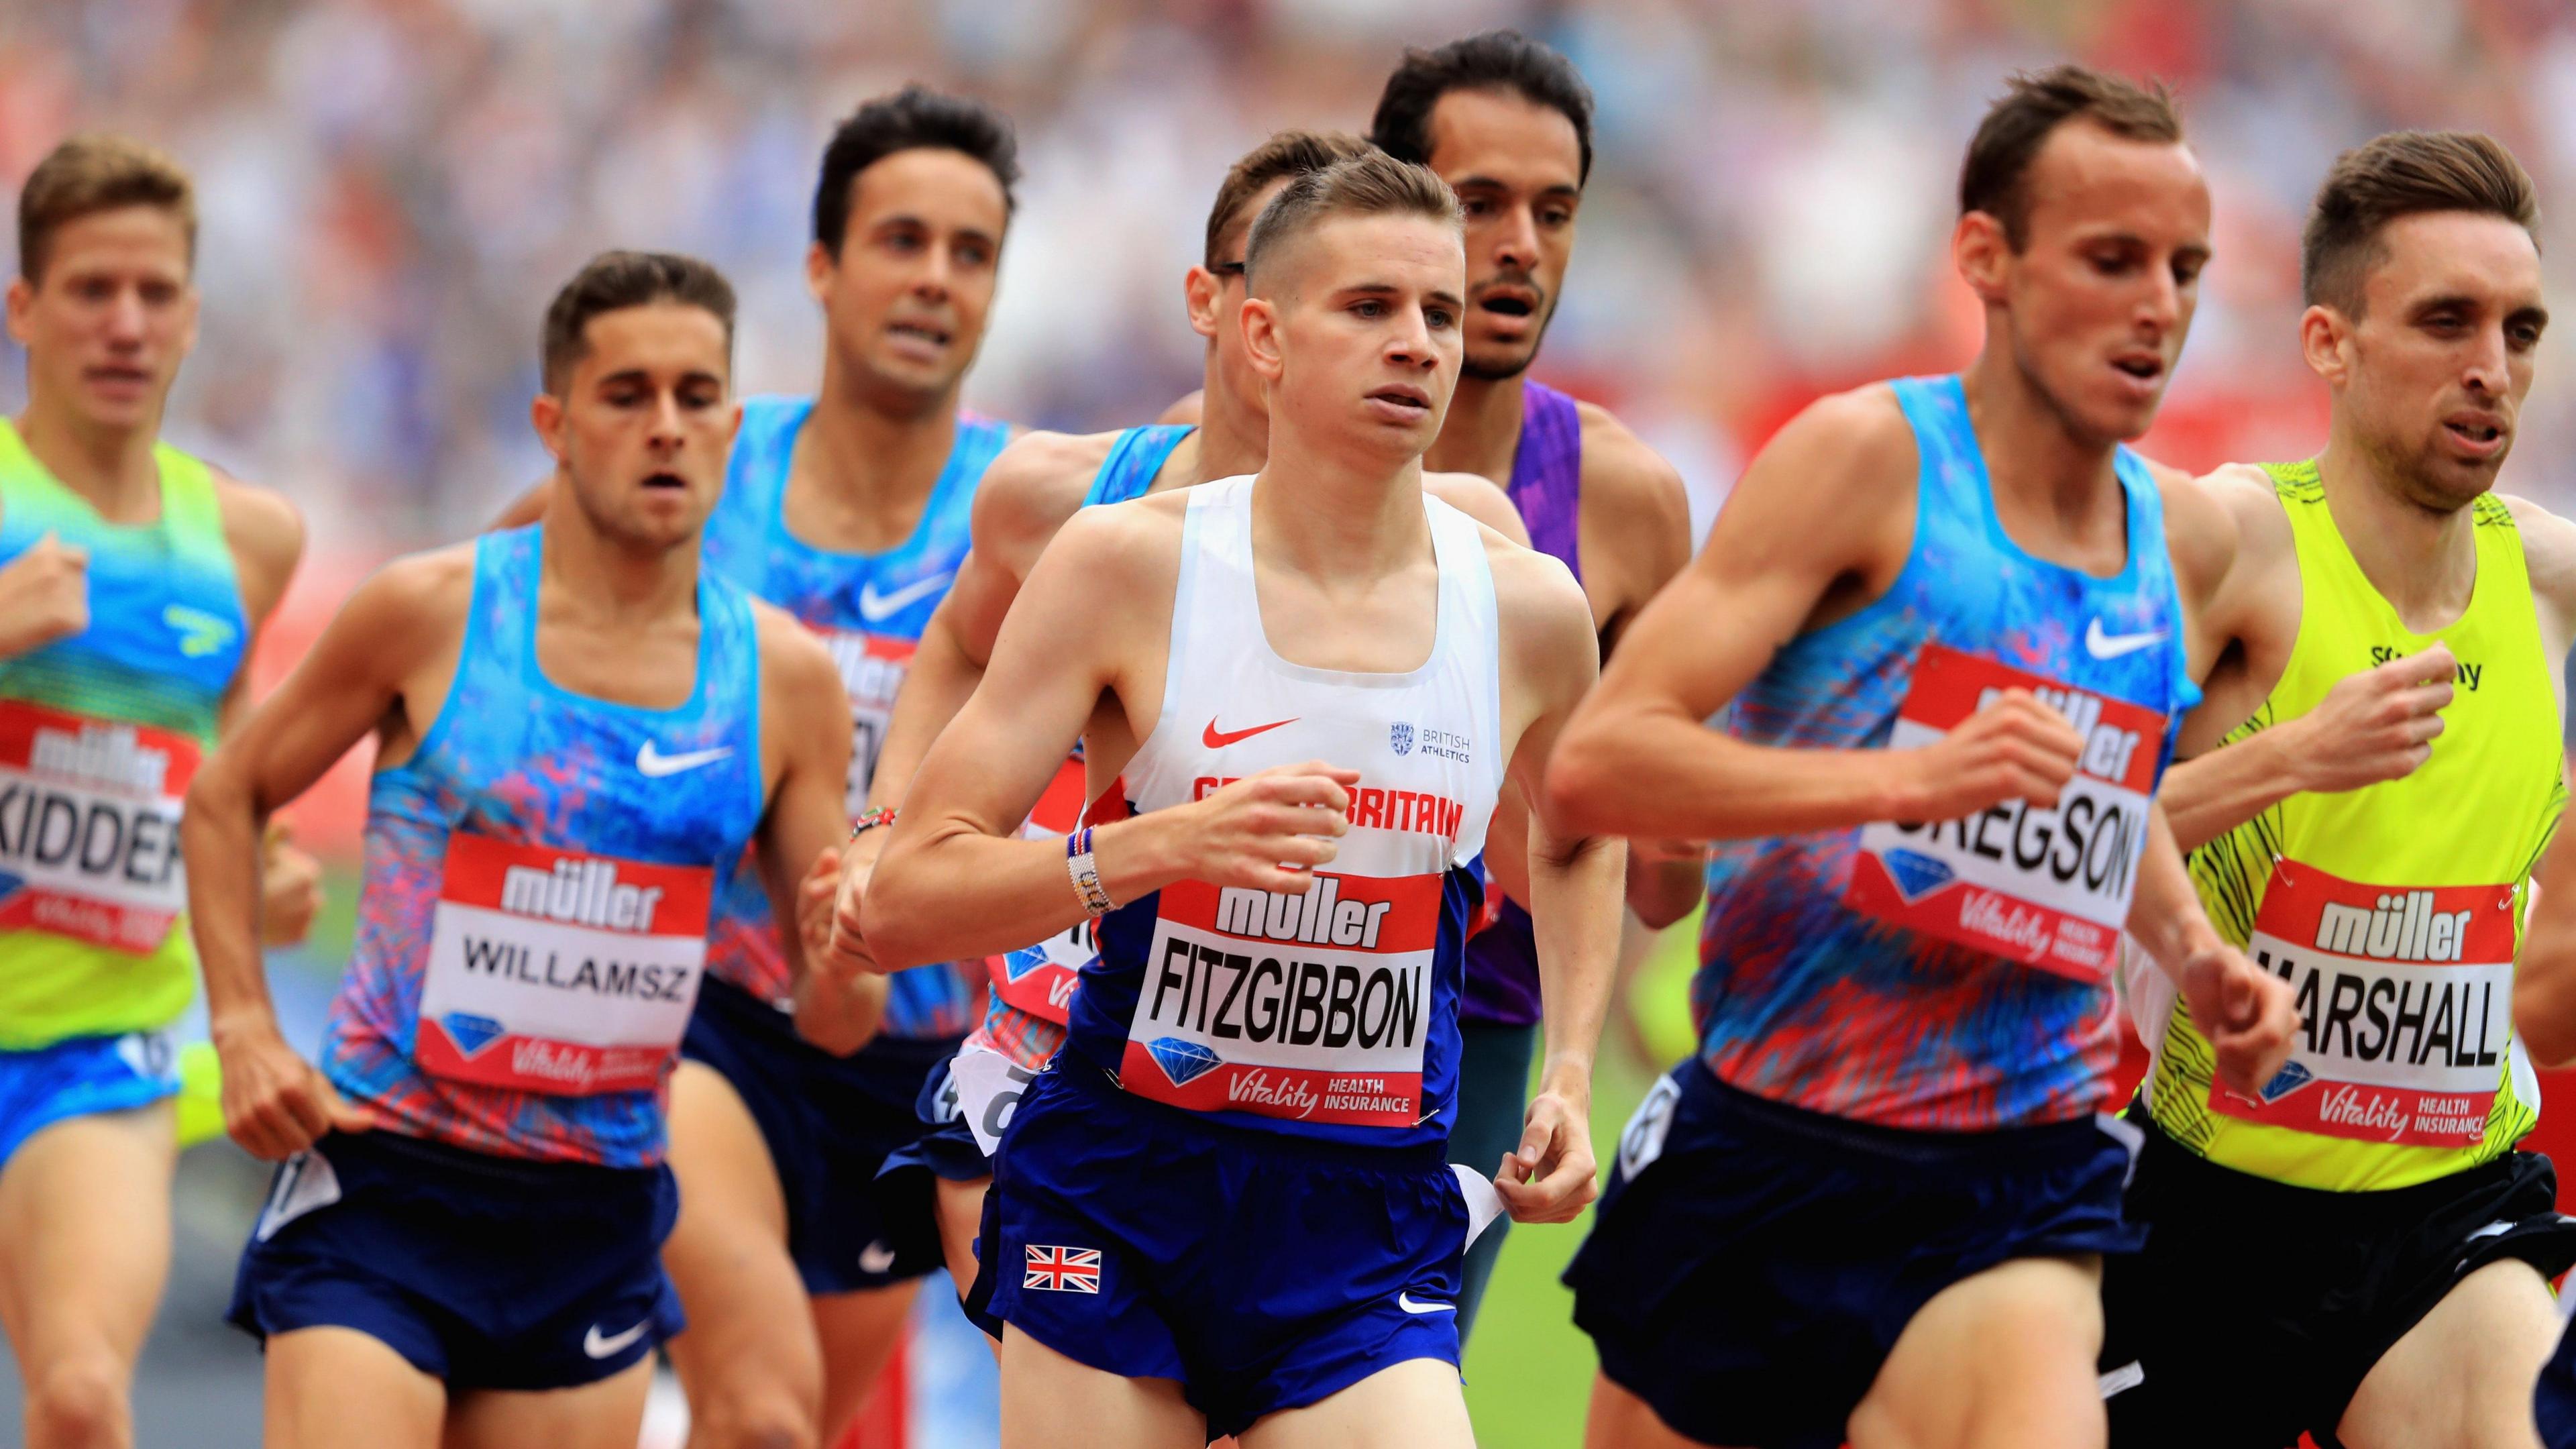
<point x="1507" y="122"/>
<point x="1033" y="487"/>
<point x="1939" y="617"/>
<point x="1225" y="1203"/>
<point x="849" y="510"/>
<point x="2544" y="1022"/>
<point x="133" y="579"/>
<point x="2372" y="853"/>
<point x="579" y="732"/>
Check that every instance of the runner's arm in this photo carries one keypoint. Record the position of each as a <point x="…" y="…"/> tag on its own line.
<point x="805" y="727"/>
<point x="348" y="686"/>
<point x="1574" y="882"/>
<point x="2544" y="972"/>
<point x="956" y="881"/>
<point x="2246" y="1012"/>
<point x="266" y="535"/>
<point x="1812" y="513"/>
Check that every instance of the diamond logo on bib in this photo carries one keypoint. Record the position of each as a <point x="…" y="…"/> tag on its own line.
<point x="558" y="971"/>
<point x="2048" y="888"/>
<point x="2405" y="998"/>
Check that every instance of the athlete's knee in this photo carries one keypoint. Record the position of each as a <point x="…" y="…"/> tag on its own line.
<point x="79" y="1402"/>
<point x="764" y="1419"/>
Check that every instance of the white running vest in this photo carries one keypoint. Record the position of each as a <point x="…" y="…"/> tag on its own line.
<point x="1328" y="1009"/>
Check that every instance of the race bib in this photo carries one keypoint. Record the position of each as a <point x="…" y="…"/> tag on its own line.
<point x="89" y="827"/>
<point x="557" y="971"/>
<point x="2405" y="998"/>
<point x="1312" y="1006"/>
<point x="872" y="669"/>
<point x="1039" y="979"/>
<point x="984" y="1089"/>
<point x="2046" y="888"/>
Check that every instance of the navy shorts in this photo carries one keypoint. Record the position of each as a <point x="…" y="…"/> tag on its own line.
<point x="82" y="1077"/>
<point x="486" y="1272"/>
<point x="2343" y="1276"/>
<point x="1753" y="1263"/>
<point x="2553" y="1403"/>
<point x="830" y="1123"/>
<point x="1261" y="1271"/>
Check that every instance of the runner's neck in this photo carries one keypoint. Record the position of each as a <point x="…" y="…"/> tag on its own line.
<point x="1482" y="434"/>
<point x="113" y="468"/>
<point x="630" y="586"/>
<point x="2423" y="561"/>
<point x="1233" y="435"/>
<point x="1332" y="519"/>
<point x="2042" y="473"/>
<point x="865" y="463"/>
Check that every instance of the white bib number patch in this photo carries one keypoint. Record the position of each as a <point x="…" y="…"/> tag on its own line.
<point x="2049" y="888"/>
<point x="89" y="827"/>
<point x="2405" y="998"/>
<point x="559" y="972"/>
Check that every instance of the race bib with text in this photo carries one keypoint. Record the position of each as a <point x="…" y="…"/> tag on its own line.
<point x="2048" y="888"/>
<point x="557" y="971"/>
<point x="872" y="669"/>
<point x="1312" y="1006"/>
<point x="89" y="827"/>
<point x="2405" y="998"/>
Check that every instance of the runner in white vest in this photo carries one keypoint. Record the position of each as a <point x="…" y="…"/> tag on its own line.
<point x="1225" y="1203"/>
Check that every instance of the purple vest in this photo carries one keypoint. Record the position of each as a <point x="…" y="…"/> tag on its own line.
<point x="1547" y="488"/>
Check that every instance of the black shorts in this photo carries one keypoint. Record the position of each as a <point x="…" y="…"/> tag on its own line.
<point x="830" y="1123"/>
<point x="2257" y="1307"/>
<point x="1753" y="1263"/>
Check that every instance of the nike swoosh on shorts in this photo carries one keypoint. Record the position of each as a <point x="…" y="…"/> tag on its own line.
<point x="598" y="1346"/>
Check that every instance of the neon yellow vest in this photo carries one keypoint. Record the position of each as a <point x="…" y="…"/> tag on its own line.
<point x="98" y="734"/>
<point x="2394" y="911"/>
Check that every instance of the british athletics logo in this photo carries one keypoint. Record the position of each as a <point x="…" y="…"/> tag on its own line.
<point x="1062" y="1270"/>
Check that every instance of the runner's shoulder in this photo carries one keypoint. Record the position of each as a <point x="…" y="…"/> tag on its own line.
<point x="1035" y="483"/>
<point x="412" y="604"/>
<point x="1641" y="486"/>
<point x="266" y="534"/>
<point x="1844" y="446"/>
<point x="1539" y="605"/>
<point x="1475" y="495"/>
<point x="2548" y="550"/>
<point x="2202" y="529"/>
<point x="792" y="659"/>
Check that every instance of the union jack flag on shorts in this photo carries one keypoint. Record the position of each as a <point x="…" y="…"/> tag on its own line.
<point x="1063" y="1270"/>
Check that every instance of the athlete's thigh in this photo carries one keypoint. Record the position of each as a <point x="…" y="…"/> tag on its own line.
<point x="329" y="1387"/>
<point x="1413" y="1403"/>
<point x="608" y="1414"/>
<point x="1618" y="1419"/>
<point x="85" y="1234"/>
<point x="859" y="1332"/>
<point x="2004" y="1359"/>
<point x="960" y="1207"/>
<point x="749" y="1332"/>
<point x="2461" y="1378"/>
<point x="1051" y="1402"/>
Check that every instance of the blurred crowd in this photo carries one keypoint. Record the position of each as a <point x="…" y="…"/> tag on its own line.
<point x="391" y="189"/>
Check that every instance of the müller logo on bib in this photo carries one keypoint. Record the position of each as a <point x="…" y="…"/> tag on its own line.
<point x="2405" y="998"/>
<point x="872" y="668"/>
<point x="2048" y="888"/>
<point x="89" y="826"/>
<point x="559" y="971"/>
<point x="1312" y="1006"/>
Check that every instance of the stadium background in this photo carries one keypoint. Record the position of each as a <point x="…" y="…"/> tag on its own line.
<point x="391" y="188"/>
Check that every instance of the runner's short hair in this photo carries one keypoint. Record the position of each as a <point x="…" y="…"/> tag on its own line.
<point x="91" y="173"/>
<point x="1370" y="184"/>
<point x="1286" y="153"/>
<point x="1497" y="60"/>
<point x="2402" y="174"/>
<point x="912" y="119"/>
<point x="2034" y="104"/>
<point x="615" y="281"/>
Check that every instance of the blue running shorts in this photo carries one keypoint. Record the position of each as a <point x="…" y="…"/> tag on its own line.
<point x="486" y="1272"/>
<point x="1752" y="1263"/>
<point x="82" y="1077"/>
<point x="1261" y="1271"/>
